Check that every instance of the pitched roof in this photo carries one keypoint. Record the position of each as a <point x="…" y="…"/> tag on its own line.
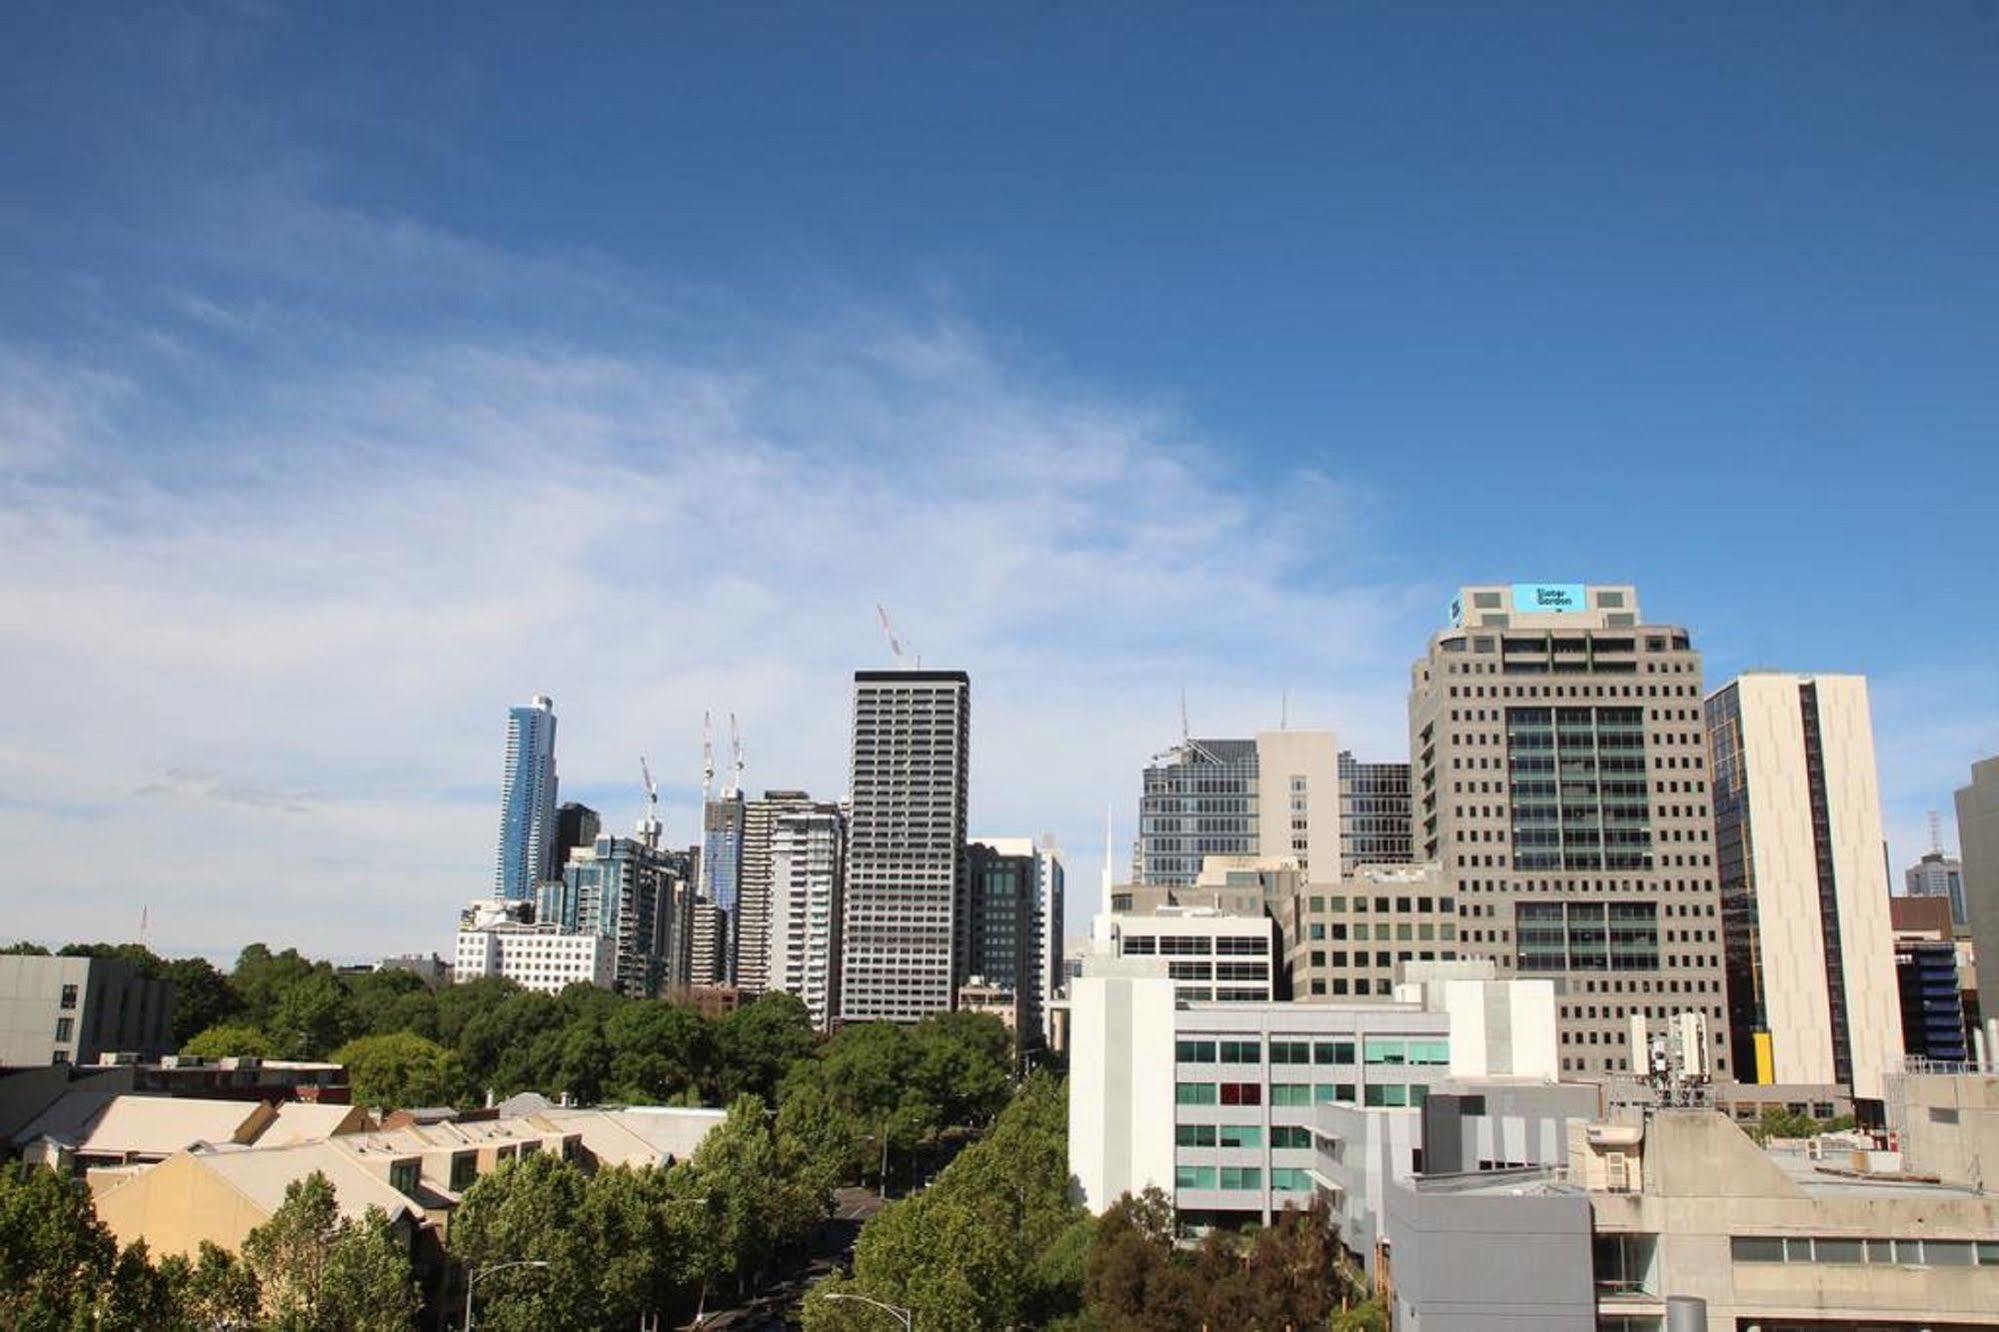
<point x="302" y="1121"/>
<point x="163" y="1125"/>
<point x="638" y="1135"/>
<point x="262" y="1174"/>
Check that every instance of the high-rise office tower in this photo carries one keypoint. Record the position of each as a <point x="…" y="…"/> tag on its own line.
<point x="807" y="873"/>
<point x="751" y="928"/>
<point x="1276" y="796"/>
<point x="903" y="930"/>
<point x="1978" y="847"/>
<point x="640" y="896"/>
<point x="527" y="802"/>
<point x="992" y="867"/>
<point x="1559" y="776"/>
<point x="1939" y="875"/>
<point x="1811" y="956"/>
<point x="721" y="871"/>
<point x="1374" y="813"/>
<point x="575" y="825"/>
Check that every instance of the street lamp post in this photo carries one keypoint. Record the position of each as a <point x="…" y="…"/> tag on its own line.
<point x="907" y="1317"/>
<point x="472" y="1277"/>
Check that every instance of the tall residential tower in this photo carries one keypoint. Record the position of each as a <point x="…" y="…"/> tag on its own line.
<point x="527" y="802"/>
<point x="903" y="923"/>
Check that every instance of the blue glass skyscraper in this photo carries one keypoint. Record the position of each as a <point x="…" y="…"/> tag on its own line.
<point x="721" y="872"/>
<point x="527" y="801"/>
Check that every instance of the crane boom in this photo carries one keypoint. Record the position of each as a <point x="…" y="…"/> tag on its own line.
<point x="888" y="632"/>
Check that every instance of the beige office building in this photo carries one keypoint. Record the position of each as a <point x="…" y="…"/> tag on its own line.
<point x="1804" y="882"/>
<point x="1276" y="797"/>
<point x="1978" y="840"/>
<point x="1559" y="776"/>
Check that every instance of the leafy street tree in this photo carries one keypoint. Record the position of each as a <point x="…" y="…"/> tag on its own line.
<point x="399" y="1070"/>
<point x="203" y="997"/>
<point x="530" y="1210"/>
<point x="219" y="1290"/>
<point x="230" y="1039"/>
<point x="312" y="1016"/>
<point x="761" y="1191"/>
<point x="55" y="1257"/>
<point x="321" y="1273"/>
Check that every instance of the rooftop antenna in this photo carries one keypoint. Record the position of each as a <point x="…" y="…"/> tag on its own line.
<point x="649" y="826"/>
<point x="735" y="761"/>
<point x="707" y="758"/>
<point x="1107" y="859"/>
<point x="1936" y="834"/>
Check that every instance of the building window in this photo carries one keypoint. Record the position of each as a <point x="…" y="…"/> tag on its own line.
<point x="1193" y="1177"/>
<point x="1290" y="1135"/>
<point x="64" y="1028"/>
<point x="1242" y="1093"/>
<point x="69" y="996"/>
<point x="1242" y="1052"/>
<point x="1194" y="1093"/>
<point x="1333" y="1052"/>
<point x="1194" y="1052"/>
<point x="1241" y="1135"/>
<point x="1194" y="1135"/>
<point x="1326" y="1093"/>
<point x="1290" y="1093"/>
<point x="1242" y="1178"/>
<point x="1290" y="1052"/>
<point x="1290" y="1179"/>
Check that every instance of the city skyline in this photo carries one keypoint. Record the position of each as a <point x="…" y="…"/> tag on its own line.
<point x="347" y="399"/>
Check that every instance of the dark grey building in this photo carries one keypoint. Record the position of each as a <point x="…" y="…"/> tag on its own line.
<point x="70" y="1010"/>
<point x="902" y="933"/>
<point x="1000" y="934"/>
<point x="575" y="825"/>
<point x="1374" y="813"/>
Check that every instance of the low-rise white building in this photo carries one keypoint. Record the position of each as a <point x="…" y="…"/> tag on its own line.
<point x="1245" y="1079"/>
<point x="496" y="938"/>
<point x="1209" y="955"/>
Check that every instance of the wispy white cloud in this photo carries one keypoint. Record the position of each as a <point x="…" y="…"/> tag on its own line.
<point x="268" y="638"/>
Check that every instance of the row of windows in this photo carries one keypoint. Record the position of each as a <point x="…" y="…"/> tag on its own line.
<point x="1297" y="1095"/>
<point x="1839" y="1249"/>
<point x="1245" y="1178"/>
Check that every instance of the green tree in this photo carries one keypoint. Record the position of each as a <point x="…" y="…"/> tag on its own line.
<point x="56" y="1258"/>
<point x="527" y="1211"/>
<point x="220" y="1290"/>
<point x="262" y="978"/>
<point x="386" y="1002"/>
<point x="313" y="1016"/>
<point x="203" y="997"/>
<point x="24" y="949"/>
<point x="400" y="1070"/>
<point x="229" y="1040"/>
<point x="659" y="1052"/>
<point x="320" y="1273"/>
<point x="759" y="1043"/>
<point x="761" y="1188"/>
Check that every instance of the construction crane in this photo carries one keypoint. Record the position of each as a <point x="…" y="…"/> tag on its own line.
<point x="894" y="644"/>
<point x="735" y="761"/>
<point x="649" y="826"/>
<point x="707" y="759"/>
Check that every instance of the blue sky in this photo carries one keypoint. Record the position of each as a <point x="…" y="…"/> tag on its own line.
<point x="362" y="372"/>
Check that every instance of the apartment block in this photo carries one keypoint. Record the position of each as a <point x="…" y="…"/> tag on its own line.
<point x="1809" y="947"/>
<point x="1559" y="777"/>
<point x="750" y="931"/>
<point x="903" y="926"/>
<point x="808" y="872"/>
<point x="70" y="1010"/>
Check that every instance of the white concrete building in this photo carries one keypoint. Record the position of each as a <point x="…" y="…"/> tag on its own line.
<point x="1809" y="947"/>
<point x="1244" y="1079"/>
<point x="806" y="878"/>
<point x="1208" y="955"/>
<point x="495" y="939"/>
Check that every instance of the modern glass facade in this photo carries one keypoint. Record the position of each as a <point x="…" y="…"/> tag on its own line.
<point x="1374" y="813"/>
<point x="527" y="802"/>
<point x="721" y="872"/>
<point x="1577" y="781"/>
<point x="1198" y="799"/>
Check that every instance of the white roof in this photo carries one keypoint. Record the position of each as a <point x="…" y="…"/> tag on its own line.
<point x="303" y="1121"/>
<point x="262" y="1174"/>
<point x="638" y="1135"/>
<point x="163" y="1125"/>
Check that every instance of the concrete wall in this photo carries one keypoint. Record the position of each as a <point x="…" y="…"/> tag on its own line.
<point x="114" y="1010"/>
<point x="1978" y="838"/>
<point x="1315" y="756"/>
<point x="1483" y="1263"/>
<point x="1120" y="1083"/>
<point x="176" y="1205"/>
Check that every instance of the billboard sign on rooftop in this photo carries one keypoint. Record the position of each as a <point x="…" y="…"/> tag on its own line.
<point x="1549" y="598"/>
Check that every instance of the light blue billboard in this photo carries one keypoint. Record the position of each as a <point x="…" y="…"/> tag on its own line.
<point x="1549" y="598"/>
